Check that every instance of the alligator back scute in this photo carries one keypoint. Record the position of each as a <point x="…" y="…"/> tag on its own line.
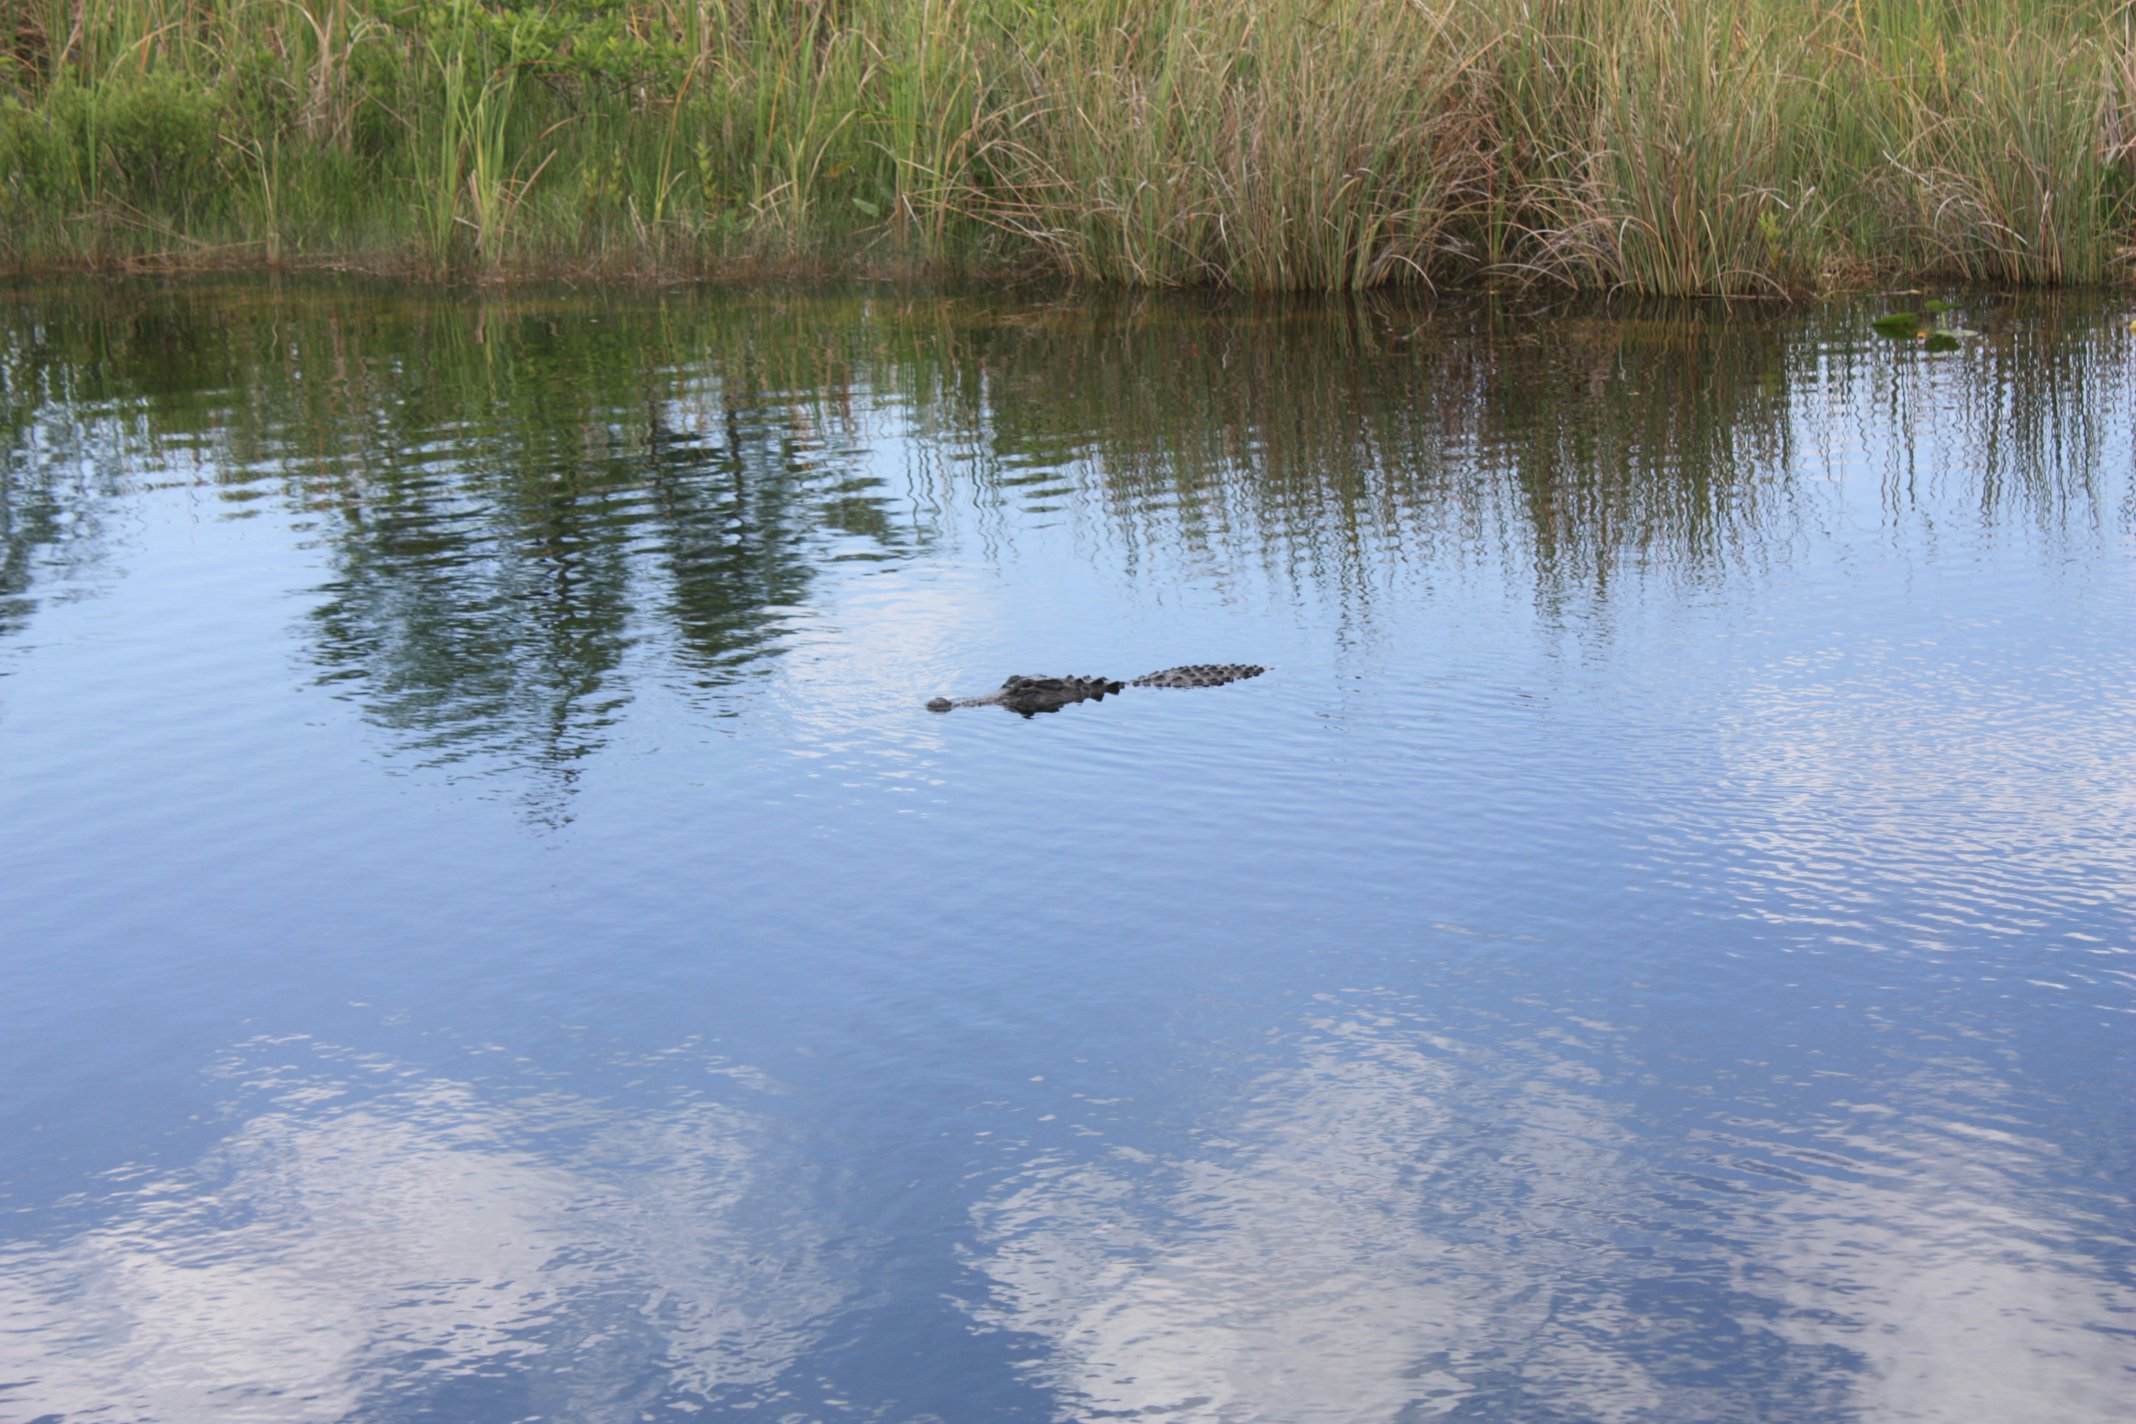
<point x="1049" y="694"/>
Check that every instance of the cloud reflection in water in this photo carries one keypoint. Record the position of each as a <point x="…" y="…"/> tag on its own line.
<point x="1368" y="1244"/>
<point x="1915" y="1246"/>
<point x="374" y="1242"/>
<point x="1402" y="1226"/>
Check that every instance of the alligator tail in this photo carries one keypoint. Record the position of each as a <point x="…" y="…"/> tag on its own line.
<point x="1199" y="675"/>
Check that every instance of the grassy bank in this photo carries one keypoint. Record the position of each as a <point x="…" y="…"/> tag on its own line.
<point x="1661" y="146"/>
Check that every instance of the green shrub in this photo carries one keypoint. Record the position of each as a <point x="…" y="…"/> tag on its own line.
<point x="151" y="138"/>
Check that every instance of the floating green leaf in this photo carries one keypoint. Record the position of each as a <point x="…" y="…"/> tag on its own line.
<point x="1902" y="326"/>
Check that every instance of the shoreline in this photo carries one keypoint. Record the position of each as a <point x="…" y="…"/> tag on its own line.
<point x="831" y="274"/>
<point x="1787" y="149"/>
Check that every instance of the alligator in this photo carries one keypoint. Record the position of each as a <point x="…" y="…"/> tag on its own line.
<point x="1028" y="695"/>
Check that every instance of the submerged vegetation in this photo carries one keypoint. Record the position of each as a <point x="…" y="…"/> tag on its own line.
<point x="1659" y="146"/>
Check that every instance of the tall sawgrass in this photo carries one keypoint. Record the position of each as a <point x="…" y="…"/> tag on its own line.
<point x="1269" y="146"/>
<point x="1659" y="146"/>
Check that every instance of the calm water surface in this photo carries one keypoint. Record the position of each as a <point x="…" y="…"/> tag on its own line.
<point x="489" y="931"/>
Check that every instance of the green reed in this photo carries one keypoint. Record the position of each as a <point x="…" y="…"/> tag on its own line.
<point x="1659" y="146"/>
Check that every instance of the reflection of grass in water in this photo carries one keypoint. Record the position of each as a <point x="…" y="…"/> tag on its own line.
<point x="514" y="493"/>
<point x="1647" y="145"/>
<point x="511" y="493"/>
<point x="1583" y="448"/>
<point x="1572" y="444"/>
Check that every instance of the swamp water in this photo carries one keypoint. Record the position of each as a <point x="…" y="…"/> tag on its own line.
<point x="488" y="930"/>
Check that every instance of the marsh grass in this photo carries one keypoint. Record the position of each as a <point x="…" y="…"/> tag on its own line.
<point x="1658" y="146"/>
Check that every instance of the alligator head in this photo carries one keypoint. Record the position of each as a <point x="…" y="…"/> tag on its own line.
<point x="1034" y="694"/>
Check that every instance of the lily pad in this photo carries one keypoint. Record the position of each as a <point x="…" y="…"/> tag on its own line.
<point x="1940" y="341"/>
<point x="1902" y="326"/>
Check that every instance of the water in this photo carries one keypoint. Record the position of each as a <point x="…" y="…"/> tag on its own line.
<point x="491" y="933"/>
